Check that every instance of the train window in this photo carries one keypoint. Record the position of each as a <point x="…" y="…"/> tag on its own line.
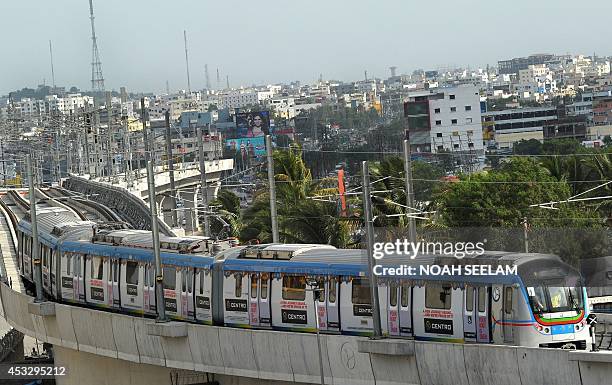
<point x="79" y="270"/>
<point x="321" y="288"/>
<point x="151" y="276"/>
<point x="131" y="273"/>
<point x="508" y="300"/>
<point x="201" y="281"/>
<point x="254" y="280"/>
<point x="116" y="271"/>
<point x="44" y="253"/>
<point x="469" y="298"/>
<point x="332" y="290"/>
<point x="184" y="280"/>
<point x="263" y="289"/>
<point x="482" y="297"/>
<point x="96" y="268"/>
<point x="190" y="281"/>
<point x="361" y="291"/>
<point x="437" y="296"/>
<point x="405" y="294"/>
<point x="238" y="288"/>
<point x="294" y="288"/>
<point x="393" y="294"/>
<point x="169" y="278"/>
<point x="68" y="263"/>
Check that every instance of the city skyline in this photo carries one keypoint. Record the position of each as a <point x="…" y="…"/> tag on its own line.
<point x="279" y="49"/>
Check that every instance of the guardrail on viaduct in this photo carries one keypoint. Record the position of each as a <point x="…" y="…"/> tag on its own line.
<point x="293" y="357"/>
<point x="131" y="208"/>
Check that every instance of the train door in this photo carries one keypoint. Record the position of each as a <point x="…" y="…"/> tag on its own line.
<point x="265" y="319"/>
<point x="254" y="299"/>
<point x="333" y="312"/>
<point x="67" y="277"/>
<point x="393" y="309"/>
<point x="54" y="260"/>
<point x="95" y="283"/>
<point x="203" y="283"/>
<point x="470" y="317"/>
<point x="171" y="277"/>
<point x="405" y="312"/>
<point x="116" y="295"/>
<point x="235" y="303"/>
<point x="79" y="277"/>
<point x="188" y="310"/>
<point x="508" y="315"/>
<point x="483" y="308"/>
<point x="147" y="296"/>
<point x="44" y="251"/>
<point x="356" y="307"/>
<point x="132" y="287"/>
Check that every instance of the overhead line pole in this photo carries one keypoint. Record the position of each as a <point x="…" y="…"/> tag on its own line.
<point x="409" y="193"/>
<point x="171" y="170"/>
<point x="203" y="180"/>
<point x="35" y="254"/>
<point x="272" y="184"/>
<point x="159" y="274"/>
<point x="369" y="227"/>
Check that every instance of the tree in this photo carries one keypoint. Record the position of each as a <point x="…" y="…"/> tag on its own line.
<point x="527" y="147"/>
<point x="227" y="219"/>
<point x="503" y="198"/>
<point x="302" y="219"/>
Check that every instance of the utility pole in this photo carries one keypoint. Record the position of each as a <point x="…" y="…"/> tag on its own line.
<point x="159" y="273"/>
<point x="171" y="170"/>
<point x="272" y="183"/>
<point x="35" y="253"/>
<point x="3" y="165"/>
<point x="525" y="235"/>
<point x="145" y="135"/>
<point x="410" y="210"/>
<point x="203" y="181"/>
<point x="369" y="227"/>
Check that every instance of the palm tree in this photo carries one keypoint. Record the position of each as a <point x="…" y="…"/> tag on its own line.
<point x="301" y="218"/>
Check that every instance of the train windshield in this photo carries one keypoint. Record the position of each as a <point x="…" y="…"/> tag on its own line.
<point x="552" y="299"/>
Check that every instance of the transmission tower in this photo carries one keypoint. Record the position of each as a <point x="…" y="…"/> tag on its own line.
<point x="207" y="77"/>
<point x="97" y="80"/>
<point x="187" y="62"/>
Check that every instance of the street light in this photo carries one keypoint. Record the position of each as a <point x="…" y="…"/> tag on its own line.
<point x="316" y="294"/>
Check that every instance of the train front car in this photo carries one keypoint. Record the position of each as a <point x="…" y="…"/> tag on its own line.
<point x="554" y="307"/>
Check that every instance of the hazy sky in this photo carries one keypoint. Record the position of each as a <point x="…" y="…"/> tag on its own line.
<point x="266" y="41"/>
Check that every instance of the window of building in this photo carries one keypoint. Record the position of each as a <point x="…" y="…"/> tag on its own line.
<point x="455" y="145"/>
<point x="453" y="109"/>
<point x="470" y="132"/>
<point x="454" y="121"/>
<point x="440" y="148"/>
<point x="437" y="296"/>
<point x="471" y="145"/>
<point x="438" y="122"/>
<point x="439" y="135"/>
<point x="468" y="108"/>
<point x="361" y="291"/>
<point x="437" y="110"/>
<point x="451" y="97"/>
<point x="468" y="120"/>
<point x="294" y="288"/>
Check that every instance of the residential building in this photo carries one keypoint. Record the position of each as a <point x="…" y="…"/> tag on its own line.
<point x="501" y="129"/>
<point x="445" y="119"/>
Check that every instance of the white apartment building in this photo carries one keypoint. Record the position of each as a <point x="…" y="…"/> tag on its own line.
<point x="446" y="119"/>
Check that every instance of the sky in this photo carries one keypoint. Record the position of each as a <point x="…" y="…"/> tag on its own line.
<point x="271" y="41"/>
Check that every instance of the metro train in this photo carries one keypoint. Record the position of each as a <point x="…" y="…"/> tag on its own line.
<point x="271" y="287"/>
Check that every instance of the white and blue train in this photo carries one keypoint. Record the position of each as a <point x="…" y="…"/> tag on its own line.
<point x="268" y="287"/>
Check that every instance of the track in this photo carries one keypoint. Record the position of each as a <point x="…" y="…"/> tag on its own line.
<point x="88" y="210"/>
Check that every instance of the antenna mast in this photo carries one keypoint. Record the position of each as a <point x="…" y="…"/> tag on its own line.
<point x="187" y="62"/>
<point x="97" y="80"/>
<point x="52" y="70"/>
<point x="207" y="77"/>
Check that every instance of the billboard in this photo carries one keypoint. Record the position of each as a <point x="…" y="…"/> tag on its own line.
<point x="252" y="124"/>
<point x="247" y="147"/>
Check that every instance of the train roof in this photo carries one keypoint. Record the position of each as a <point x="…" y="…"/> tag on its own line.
<point x="137" y="254"/>
<point x="55" y="224"/>
<point x="531" y="267"/>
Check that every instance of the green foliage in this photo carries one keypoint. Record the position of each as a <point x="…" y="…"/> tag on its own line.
<point x="301" y="218"/>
